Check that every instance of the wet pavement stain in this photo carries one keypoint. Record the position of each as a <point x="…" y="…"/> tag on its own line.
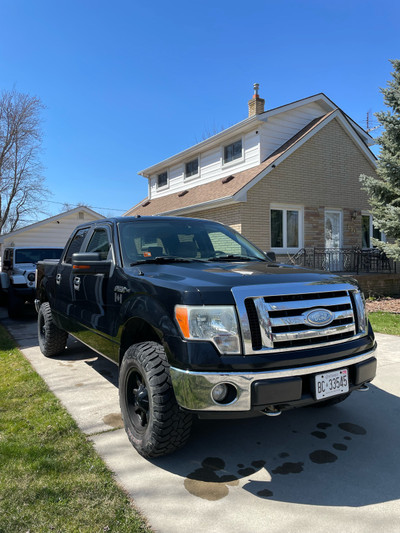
<point x="353" y="428"/>
<point x="114" y="420"/>
<point x="289" y="468"/>
<point x="244" y="472"/>
<point x="265" y="493"/>
<point x="319" y="434"/>
<point x="321" y="457"/>
<point x="205" y="483"/>
<point x="324" y="425"/>
<point x="212" y="482"/>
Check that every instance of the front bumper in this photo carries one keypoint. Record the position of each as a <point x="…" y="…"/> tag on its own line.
<point x="258" y="390"/>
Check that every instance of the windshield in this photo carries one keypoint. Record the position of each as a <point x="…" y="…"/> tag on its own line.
<point x="196" y="240"/>
<point x="33" y="255"/>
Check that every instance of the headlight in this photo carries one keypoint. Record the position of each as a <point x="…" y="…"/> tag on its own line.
<point x="31" y="276"/>
<point x="216" y="324"/>
<point x="362" y="319"/>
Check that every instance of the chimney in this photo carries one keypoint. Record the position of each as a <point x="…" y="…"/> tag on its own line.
<point x="256" y="104"/>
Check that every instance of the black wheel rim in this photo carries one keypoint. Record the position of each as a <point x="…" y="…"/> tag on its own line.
<point x="138" y="401"/>
<point x="42" y="327"/>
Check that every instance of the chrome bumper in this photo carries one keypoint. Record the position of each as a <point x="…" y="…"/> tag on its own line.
<point x="193" y="389"/>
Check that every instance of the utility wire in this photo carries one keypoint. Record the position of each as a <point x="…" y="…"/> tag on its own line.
<point x="91" y="207"/>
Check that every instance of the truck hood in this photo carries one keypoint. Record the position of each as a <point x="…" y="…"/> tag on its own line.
<point x="219" y="277"/>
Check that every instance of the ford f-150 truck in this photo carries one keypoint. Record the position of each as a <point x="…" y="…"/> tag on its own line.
<point x="202" y="323"/>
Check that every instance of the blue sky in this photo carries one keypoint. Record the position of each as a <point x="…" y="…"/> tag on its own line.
<point x="127" y="84"/>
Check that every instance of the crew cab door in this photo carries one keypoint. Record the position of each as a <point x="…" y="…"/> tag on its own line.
<point x="64" y="303"/>
<point x="94" y="293"/>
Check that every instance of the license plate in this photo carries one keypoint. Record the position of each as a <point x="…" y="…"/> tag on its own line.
<point x="331" y="383"/>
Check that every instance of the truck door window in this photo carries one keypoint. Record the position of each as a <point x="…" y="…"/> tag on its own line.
<point x="99" y="242"/>
<point x="76" y="244"/>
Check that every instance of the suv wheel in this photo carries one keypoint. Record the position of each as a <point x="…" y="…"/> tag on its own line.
<point x="154" y="423"/>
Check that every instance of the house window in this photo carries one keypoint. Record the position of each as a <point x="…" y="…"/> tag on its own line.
<point x="233" y="151"/>
<point x="286" y="228"/>
<point x="369" y="232"/>
<point x="162" y="179"/>
<point x="192" y="168"/>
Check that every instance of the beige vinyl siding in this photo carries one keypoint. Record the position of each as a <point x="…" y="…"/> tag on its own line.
<point x="283" y="126"/>
<point x="211" y="166"/>
<point x="48" y="234"/>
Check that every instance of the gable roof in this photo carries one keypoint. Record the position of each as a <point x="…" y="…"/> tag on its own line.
<point x="326" y="104"/>
<point x="228" y="189"/>
<point x="52" y="219"/>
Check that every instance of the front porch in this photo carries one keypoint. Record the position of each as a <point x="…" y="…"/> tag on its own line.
<point x="376" y="274"/>
<point x="354" y="260"/>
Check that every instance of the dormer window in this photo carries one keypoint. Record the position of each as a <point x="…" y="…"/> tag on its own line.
<point x="162" y="180"/>
<point x="192" y="168"/>
<point x="233" y="151"/>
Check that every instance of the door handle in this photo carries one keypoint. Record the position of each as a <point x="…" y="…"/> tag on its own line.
<point x="77" y="283"/>
<point x="58" y="279"/>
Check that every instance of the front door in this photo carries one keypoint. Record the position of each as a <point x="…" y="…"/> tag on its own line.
<point x="333" y="239"/>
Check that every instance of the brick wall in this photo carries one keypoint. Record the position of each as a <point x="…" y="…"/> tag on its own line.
<point x="323" y="173"/>
<point x="229" y="215"/>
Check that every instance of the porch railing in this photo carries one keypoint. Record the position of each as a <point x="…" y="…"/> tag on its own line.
<point x="354" y="260"/>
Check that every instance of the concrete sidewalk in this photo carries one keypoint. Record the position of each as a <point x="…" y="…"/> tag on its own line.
<point x="309" y="470"/>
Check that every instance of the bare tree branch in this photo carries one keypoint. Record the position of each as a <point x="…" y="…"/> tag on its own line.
<point x="22" y="189"/>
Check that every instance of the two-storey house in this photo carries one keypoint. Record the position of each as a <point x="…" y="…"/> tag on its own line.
<point x="286" y="178"/>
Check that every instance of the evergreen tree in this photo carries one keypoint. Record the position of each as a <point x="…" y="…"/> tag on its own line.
<point x="384" y="191"/>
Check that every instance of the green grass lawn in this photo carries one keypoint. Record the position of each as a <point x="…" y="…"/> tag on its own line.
<point x="51" y="479"/>
<point x="383" y="322"/>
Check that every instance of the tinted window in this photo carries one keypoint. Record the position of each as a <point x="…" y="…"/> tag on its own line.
<point x="33" y="255"/>
<point x="76" y="244"/>
<point x="99" y="242"/>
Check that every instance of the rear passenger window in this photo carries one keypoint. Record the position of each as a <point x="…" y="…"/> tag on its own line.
<point x="76" y="244"/>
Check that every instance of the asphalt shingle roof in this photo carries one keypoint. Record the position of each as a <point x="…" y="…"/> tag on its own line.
<point x="220" y="189"/>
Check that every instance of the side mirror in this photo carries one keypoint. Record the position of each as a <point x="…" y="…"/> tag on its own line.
<point x="271" y="256"/>
<point x="89" y="263"/>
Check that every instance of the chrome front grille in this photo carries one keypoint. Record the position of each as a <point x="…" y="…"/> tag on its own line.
<point x="276" y="317"/>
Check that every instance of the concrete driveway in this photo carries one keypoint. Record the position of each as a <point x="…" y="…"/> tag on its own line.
<point x="310" y="470"/>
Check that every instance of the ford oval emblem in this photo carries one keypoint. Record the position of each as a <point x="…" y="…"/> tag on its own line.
<point x="319" y="317"/>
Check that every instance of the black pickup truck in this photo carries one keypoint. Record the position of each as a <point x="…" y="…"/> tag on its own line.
<point x="202" y="323"/>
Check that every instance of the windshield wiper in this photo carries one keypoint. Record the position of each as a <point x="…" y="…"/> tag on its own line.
<point x="233" y="257"/>
<point x="165" y="259"/>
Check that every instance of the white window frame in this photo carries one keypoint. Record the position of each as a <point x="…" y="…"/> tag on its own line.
<point x="234" y="161"/>
<point x="193" y="176"/>
<point x="287" y="207"/>
<point x="163" y="187"/>
<point x="371" y="230"/>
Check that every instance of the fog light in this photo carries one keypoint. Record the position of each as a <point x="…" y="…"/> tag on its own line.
<point x="219" y="392"/>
